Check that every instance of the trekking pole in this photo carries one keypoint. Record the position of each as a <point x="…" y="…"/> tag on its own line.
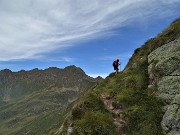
<point x="120" y="67"/>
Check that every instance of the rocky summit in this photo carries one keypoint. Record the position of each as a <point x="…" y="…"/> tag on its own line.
<point x="35" y="101"/>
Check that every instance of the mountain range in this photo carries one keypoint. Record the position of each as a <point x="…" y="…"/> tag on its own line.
<point x="35" y="101"/>
<point x="143" y="99"/>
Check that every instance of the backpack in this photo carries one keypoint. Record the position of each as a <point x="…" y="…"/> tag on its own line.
<point x="114" y="64"/>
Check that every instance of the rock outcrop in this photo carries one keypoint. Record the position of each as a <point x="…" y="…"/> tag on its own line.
<point x="164" y="73"/>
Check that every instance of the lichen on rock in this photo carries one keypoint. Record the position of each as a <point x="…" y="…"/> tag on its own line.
<point x="164" y="73"/>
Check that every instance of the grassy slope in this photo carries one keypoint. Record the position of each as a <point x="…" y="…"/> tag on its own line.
<point x="31" y="115"/>
<point x="130" y="87"/>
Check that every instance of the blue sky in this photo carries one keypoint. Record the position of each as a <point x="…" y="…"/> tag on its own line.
<point x="87" y="34"/>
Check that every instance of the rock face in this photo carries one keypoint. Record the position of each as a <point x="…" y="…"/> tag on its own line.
<point x="35" y="101"/>
<point x="164" y="73"/>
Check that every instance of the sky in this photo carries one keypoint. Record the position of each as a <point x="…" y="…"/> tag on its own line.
<point x="87" y="34"/>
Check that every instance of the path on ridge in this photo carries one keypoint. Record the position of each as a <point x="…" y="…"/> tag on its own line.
<point x="116" y="111"/>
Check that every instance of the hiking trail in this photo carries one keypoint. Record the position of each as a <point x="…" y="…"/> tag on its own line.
<point x="116" y="110"/>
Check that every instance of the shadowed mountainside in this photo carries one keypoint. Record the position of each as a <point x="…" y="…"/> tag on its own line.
<point x="34" y="102"/>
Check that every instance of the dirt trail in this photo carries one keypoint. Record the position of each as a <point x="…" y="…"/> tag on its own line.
<point x="116" y="110"/>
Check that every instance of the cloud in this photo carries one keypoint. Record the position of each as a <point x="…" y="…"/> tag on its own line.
<point x="65" y="59"/>
<point x="31" y="28"/>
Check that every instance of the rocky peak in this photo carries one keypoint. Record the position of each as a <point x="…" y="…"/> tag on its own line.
<point x="5" y="72"/>
<point x="99" y="78"/>
<point x="22" y="82"/>
<point x="74" y="69"/>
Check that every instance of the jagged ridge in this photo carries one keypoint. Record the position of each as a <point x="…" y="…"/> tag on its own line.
<point x="34" y="102"/>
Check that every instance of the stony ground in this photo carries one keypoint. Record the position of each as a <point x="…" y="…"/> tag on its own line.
<point x="116" y="111"/>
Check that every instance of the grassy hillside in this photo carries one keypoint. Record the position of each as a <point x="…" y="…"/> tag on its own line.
<point x="142" y="111"/>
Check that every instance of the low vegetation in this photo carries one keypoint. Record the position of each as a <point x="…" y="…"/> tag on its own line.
<point x="141" y="109"/>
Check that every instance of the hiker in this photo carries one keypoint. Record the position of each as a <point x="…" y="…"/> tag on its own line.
<point x="116" y="63"/>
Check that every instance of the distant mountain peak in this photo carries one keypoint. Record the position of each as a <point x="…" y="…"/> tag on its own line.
<point x="38" y="93"/>
<point x="6" y="70"/>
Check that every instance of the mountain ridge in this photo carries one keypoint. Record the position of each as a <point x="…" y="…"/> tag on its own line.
<point x="39" y="98"/>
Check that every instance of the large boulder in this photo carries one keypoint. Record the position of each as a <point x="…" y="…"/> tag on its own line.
<point x="164" y="73"/>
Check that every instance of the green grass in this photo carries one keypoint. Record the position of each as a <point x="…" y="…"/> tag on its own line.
<point x="95" y="123"/>
<point x="38" y="113"/>
<point x="90" y="117"/>
<point x="142" y="109"/>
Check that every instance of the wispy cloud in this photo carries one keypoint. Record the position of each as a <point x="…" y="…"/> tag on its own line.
<point x="31" y="28"/>
<point x="65" y="59"/>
